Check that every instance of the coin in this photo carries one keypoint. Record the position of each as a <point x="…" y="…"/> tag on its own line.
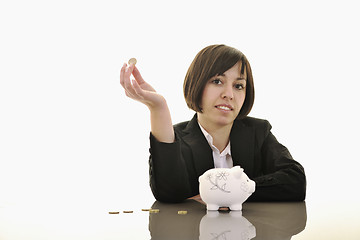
<point x="128" y="211"/>
<point x="224" y="209"/>
<point x="114" y="212"/>
<point x="145" y="209"/>
<point x="132" y="61"/>
<point x="154" y="210"/>
<point x="182" y="212"/>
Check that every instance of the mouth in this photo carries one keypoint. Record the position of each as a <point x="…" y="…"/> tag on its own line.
<point x="224" y="107"/>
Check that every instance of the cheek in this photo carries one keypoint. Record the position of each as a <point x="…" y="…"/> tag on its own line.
<point x="241" y="99"/>
<point x="206" y="97"/>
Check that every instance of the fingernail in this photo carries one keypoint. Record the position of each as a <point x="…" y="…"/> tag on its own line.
<point x="124" y="65"/>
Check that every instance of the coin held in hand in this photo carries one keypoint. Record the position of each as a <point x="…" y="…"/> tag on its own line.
<point x="132" y="61"/>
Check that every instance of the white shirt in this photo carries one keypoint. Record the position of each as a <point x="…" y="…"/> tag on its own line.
<point x="221" y="159"/>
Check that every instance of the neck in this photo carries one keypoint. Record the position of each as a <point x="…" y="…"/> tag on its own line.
<point x="220" y="134"/>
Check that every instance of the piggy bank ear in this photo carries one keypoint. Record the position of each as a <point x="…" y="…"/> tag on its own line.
<point x="237" y="171"/>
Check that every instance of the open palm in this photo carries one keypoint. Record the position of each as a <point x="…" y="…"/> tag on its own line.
<point x="138" y="89"/>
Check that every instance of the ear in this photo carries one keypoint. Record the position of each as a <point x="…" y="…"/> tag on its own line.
<point x="237" y="171"/>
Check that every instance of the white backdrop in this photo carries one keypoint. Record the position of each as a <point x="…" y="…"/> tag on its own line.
<point x="70" y="137"/>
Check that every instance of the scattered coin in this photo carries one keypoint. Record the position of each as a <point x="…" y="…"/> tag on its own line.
<point x="182" y="212"/>
<point x="154" y="210"/>
<point x="128" y="211"/>
<point x="114" y="212"/>
<point x="132" y="61"/>
<point x="145" y="209"/>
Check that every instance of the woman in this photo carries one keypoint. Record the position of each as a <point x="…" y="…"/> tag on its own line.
<point x="219" y="88"/>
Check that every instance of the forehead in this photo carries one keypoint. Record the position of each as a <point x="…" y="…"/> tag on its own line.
<point x="237" y="71"/>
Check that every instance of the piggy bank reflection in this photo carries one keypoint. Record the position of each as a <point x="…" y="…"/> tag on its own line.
<point x="225" y="187"/>
<point x="231" y="225"/>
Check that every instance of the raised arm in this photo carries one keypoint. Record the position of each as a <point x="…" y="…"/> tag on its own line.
<point x="139" y="90"/>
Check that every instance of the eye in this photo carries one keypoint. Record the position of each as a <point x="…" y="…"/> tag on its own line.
<point x="239" y="86"/>
<point x="216" y="81"/>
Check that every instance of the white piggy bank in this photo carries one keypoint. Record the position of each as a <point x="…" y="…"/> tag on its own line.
<point x="225" y="187"/>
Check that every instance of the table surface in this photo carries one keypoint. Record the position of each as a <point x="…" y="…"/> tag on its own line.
<point x="277" y="220"/>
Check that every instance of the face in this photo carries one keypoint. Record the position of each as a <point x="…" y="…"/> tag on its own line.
<point x="222" y="98"/>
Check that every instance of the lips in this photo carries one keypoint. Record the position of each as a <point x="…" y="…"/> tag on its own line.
<point x="225" y="107"/>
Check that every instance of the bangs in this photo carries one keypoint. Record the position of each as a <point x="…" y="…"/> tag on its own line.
<point x="226" y="61"/>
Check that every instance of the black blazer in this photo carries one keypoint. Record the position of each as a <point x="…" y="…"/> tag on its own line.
<point x="175" y="167"/>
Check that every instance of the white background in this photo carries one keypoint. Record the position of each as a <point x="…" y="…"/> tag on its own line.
<point x="70" y="137"/>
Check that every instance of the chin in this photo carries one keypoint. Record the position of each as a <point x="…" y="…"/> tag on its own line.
<point x="225" y="121"/>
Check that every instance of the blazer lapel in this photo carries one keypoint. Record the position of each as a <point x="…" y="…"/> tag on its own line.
<point x="201" y="151"/>
<point x="242" y="139"/>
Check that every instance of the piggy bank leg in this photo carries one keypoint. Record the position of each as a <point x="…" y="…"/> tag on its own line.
<point x="212" y="207"/>
<point x="236" y="207"/>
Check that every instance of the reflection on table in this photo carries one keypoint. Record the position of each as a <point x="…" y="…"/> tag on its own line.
<point x="256" y="221"/>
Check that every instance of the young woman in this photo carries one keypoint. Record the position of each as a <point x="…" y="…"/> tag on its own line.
<point x="219" y="88"/>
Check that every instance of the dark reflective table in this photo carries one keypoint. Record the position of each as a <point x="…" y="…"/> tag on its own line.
<point x="256" y="221"/>
<point x="315" y="219"/>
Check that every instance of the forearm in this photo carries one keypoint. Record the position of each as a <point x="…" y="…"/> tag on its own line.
<point x="167" y="169"/>
<point x="285" y="185"/>
<point x="161" y="123"/>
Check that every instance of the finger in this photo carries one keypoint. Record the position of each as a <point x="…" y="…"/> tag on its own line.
<point x="126" y="76"/>
<point x="126" y="80"/>
<point x="130" y="95"/>
<point x="137" y="75"/>
<point x="138" y="90"/>
<point x="133" y="90"/>
<point x="129" y="70"/>
<point x="122" y="73"/>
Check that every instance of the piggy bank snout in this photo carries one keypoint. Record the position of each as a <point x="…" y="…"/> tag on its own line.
<point x="252" y="186"/>
<point x="248" y="186"/>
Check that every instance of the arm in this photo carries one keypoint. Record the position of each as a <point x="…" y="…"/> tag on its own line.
<point x="139" y="90"/>
<point x="283" y="178"/>
<point x="168" y="176"/>
<point x="169" y="179"/>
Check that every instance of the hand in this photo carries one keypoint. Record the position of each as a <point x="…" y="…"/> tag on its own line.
<point x="198" y="199"/>
<point x="138" y="89"/>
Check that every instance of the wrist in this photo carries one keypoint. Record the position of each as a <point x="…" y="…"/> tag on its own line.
<point x="158" y="106"/>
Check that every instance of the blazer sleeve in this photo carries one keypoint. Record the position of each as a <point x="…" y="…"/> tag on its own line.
<point x="282" y="178"/>
<point x="169" y="180"/>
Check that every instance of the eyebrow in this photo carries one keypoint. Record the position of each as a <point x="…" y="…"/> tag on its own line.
<point x="239" y="78"/>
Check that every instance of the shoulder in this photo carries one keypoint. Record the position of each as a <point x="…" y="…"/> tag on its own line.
<point x="181" y="126"/>
<point x="261" y="127"/>
<point x="187" y="127"/>
<point x="254" y="122"/>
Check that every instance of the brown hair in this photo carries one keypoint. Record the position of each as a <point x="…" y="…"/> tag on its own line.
<point x="209" y="62"/>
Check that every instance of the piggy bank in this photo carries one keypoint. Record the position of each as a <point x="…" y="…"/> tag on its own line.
<point x="225" y="187"/>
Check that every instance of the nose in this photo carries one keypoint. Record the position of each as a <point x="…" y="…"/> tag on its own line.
<point x="227" y="93"/>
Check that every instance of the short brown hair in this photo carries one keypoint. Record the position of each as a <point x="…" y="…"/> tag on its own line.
<point x="209" y="62"/>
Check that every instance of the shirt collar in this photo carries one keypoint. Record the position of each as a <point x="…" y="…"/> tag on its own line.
<point x="209" y="139"/>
